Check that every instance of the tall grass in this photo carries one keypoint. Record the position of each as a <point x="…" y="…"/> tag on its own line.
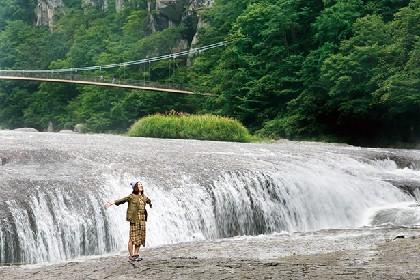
<point x="183" y="126"/>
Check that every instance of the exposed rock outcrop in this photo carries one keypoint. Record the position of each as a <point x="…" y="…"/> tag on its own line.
<point x="194" y="7"/>
<point x="167" y="13"/>
<point x="101" y="4"/>
<point x="78" y="128"/>
<point x="410" y="187"/>
<point x="46" y="11"/>
<point x="185" y="13"/>
<point x="162" y="14"/>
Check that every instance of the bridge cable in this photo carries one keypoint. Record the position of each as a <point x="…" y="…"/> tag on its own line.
<point x="192" y="51"/>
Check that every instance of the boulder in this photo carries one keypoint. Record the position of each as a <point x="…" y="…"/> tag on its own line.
<point x="78" y="128"/>
<point x="26" y="129"/>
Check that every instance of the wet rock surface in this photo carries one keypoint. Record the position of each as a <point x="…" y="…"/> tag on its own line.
<point x="396" y="258"/>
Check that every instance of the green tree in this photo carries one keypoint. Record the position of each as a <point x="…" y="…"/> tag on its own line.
<point x="13" y="100"/>
<point x="334" y="24"/>
<point x="220" y="19"/>
<point x="88" y="45"/>
<point x="385" y="8"/>
<point x="307" y="115"/>
<point x="49" y="104"/>
<point x="258" y="73"/>
<point x="94" y="108"/>
<point x="400" y="93"/>
<point x="136" y="26"/>
<point x="353" y="74"/>
<point x="26" y="47"/>
<point x="11" y="10"/>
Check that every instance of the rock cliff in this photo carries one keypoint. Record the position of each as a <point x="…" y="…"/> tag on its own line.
<point x="185" y="13"/>
<point x="162" y="13"/>
<point x="46" y="11"/>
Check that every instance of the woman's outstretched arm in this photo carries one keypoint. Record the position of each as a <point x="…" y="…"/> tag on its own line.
<point x="109" y="204"/>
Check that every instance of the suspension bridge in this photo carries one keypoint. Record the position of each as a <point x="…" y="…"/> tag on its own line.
<point x="77" y="76"/>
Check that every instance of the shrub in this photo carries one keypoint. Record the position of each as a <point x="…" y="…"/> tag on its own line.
<point x="183" y="126"/>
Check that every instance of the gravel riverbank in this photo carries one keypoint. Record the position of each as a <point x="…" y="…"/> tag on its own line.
<point x="251" y="258"/>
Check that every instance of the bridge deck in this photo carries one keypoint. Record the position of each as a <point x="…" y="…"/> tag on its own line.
<point x="119" y="85"/>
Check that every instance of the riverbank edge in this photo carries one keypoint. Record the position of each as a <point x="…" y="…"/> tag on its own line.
<point x="394" y="259"/>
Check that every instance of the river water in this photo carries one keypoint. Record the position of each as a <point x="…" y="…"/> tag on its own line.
<point x="53" y="187"/>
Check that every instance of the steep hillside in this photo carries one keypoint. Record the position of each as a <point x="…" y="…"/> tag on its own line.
<point x="336" y="70"/>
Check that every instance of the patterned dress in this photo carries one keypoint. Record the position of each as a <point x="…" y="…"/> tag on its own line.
<point x="138" y="230"/>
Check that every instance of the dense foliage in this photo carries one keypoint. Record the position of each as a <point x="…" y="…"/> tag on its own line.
<point x="182" y="126"/>
<point x="344" y="70"/>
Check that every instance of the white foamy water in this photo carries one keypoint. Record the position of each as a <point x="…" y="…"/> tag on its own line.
<point x="55" y="185"/>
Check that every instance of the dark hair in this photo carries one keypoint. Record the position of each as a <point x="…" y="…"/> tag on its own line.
<point x="136" y="189"/>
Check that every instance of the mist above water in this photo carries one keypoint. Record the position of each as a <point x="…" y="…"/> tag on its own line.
<point x="54" y="186"/>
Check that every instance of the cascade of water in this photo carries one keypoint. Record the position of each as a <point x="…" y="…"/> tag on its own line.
<point x="53" y="226"/>
<point x="399" y="214"/>
<point x="257" y="203"/>
<point x="196" y="195"/>
<point x="56" y="226"/>
<point x="417" y="194"/>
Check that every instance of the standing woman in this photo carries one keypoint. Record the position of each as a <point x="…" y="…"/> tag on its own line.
<point x="137" y="216"/>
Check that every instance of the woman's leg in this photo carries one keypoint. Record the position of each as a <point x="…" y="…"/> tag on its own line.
<point x="134" y="239"/>
<point x="136" y="249"/>
<point x="130" y="247"/>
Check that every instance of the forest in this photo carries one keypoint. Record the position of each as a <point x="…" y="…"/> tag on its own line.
<point x="330" y="70"/>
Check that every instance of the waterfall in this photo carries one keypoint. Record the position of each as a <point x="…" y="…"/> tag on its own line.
<point x="235" y="190"/>
<point x="54" y="226"/>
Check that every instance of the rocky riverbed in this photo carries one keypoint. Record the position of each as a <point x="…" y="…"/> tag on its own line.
<point x="333" y="254"/>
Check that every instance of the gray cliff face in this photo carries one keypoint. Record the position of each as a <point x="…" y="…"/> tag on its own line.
<point x="105" y="4"/>
<point x="46" y="11"/>
<point x="195" y="6"/>
<point x="162" y="14"/>
<point x="175" y="10"/>
<point x="167" y="13"/>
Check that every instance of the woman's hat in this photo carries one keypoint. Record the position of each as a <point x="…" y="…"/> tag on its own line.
<point x="133" y="184"/>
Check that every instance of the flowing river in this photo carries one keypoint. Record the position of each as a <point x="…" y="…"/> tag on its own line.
<point x="53" y="187"/>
